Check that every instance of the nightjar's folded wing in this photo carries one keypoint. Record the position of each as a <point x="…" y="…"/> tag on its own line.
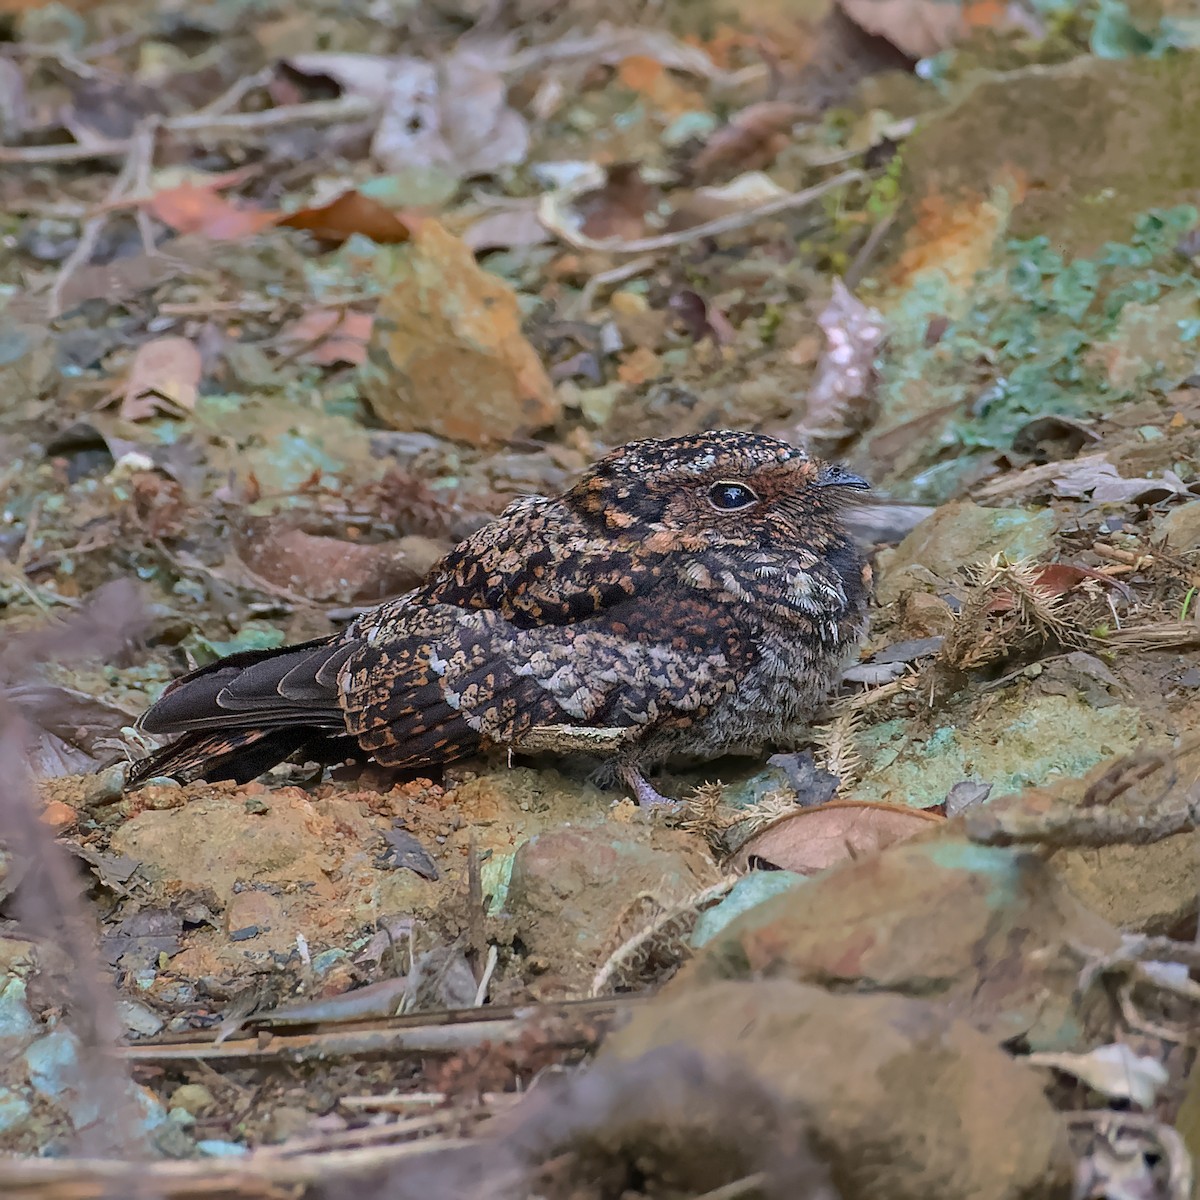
<point x="541" y="564"/>
<point x="458" y="678"/>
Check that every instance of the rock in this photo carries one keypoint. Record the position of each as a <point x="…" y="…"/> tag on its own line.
<point x="749" y="892"/>
<point x="957" y="535"/>
<point x="992" y="935"/>
<point x="1144" y="889"/>
<point x="15" y="1110"/>
<point x="1180" y="528"/>
<point x="1148" y="889"/>
<point x="53" y="1063"/>
<point x="1023" y="738"/>
<point x="139" y="1019"/>
<point x="570" y="886"/>
<point x="16" y="1021"/>
<point x="17" y="952"/>
<point x="193" y="1098"/>
<point x="905" y="1102"/>
<point x="251" y="912"/>
<point x="447" y="354"/>
<point x="679" y="1121"/>
<point x="59" y="816"/>
<point x="287" y="1121"/>
<point x="924" y="615"/>
<point x="1126" y="133"/>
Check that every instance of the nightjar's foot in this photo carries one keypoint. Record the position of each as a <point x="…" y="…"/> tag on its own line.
<point x="643" y="792"/>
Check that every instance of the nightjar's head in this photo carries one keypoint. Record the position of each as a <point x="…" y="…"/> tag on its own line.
<point x="717" y="488"/>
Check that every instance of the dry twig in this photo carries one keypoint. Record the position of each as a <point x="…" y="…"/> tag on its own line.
<point x="134" y="172"/>
<point x="238" y="126"/>
<point x="551" y="213"/>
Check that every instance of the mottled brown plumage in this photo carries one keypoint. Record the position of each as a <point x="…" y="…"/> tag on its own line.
<point x="687" y="595"/>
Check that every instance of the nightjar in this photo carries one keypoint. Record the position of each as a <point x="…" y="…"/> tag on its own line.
<point x="686" y="596"/>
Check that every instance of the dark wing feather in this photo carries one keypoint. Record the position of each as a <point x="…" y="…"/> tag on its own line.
<point x="258" y="688"/>
<point x="243" y="714"/>
<point x="459" y="678"/>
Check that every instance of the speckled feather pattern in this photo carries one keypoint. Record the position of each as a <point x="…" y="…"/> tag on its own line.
<point x="630" y="602"/>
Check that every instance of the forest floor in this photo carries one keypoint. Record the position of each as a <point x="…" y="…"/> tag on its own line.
<point x="292" y="299"/>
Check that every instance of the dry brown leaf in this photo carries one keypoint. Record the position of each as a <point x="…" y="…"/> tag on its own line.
<point x="618" y="208"/>
<point x="192" y="208"/>
<point x="453" y="114"/>
<point x="920" y="28"/>
<point x="749" y="142"/>
<point x="351" y="213"/>
<point x="287" y="560"/>
<point x="507" y="228"/>
<point x="331" y="336"/>
<point x="164" y="377"/>
<point x="812" y="839"/>
<point x="650" y="78"/>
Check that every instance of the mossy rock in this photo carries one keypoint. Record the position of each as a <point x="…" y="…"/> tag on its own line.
<point x="1089" y="144"/>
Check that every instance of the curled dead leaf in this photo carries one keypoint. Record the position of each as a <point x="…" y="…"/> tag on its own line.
<point x="288" y="561"/>
<point x="751" y="190"/>
<point x="351" y="213"/>
<point x="507" y="228"/>
<point x="918" y="28"/>
<point x="617" y="209"/>
<point x="452" y="114"/>
<point x="326" y="336"/>
<point x="164" y="377"/>
<point x="812" y="839"/>
<point x="750" y="141"/>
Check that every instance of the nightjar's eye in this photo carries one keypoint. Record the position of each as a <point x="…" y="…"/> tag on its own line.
<point x="730" y="497"/>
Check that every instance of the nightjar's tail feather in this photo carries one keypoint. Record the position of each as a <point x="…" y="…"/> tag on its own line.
<point x="240" y="755"/>
<point x="243" y="714"/>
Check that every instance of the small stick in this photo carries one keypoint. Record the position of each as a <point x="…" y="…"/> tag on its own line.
<point x="489" y="968"/>
<point x="136" y="166"/>
<point x="319" y="112"/>
<point x="635" y="266"/>
<point x="549" y="213"/>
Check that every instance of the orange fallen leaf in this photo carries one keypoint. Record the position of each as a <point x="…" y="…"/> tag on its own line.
<point x="164" y="377"/>
<point x="332" y="336"/>
<point x="192" y="208"/>
<point x="351" y="213"/>
<point x="812" y="839"/>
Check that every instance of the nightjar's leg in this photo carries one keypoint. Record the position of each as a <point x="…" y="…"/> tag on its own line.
<point x="642" y="789"/>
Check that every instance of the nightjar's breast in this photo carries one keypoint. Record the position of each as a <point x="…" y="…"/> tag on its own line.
<point x="803" y="615"/>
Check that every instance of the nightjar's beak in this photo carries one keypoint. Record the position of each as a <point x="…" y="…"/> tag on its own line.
<point x="835" y="476"/>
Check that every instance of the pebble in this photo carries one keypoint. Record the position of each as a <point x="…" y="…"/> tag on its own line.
<point x="193" y="1098"/>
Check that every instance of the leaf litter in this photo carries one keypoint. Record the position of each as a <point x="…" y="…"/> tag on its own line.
<point x="293" y="306"/>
